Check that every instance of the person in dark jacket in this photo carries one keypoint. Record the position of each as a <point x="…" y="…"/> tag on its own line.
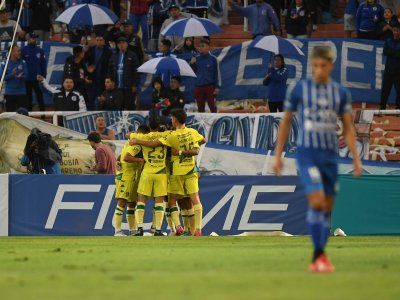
<point x="156" y="17"/>
<point x="369" y="15"/>
<point x="208" y="80"/>
<point x="74" y="67"/>
<point x="36" y="62"/>
<point x="159" y="93"/>
<point x="41" y="18"/>
<point x="391" y="76"/>
<point x="386" y="26"/>
<point x="276" y="80"/>
<point x="134" y="42"/>
<point x="111" y="98"/>
<point x="176" y="97"/>
<point x="188" y="50"/>
<point x="297" y="20"/>
<point x="65" y="98"/>
<point x="123" y="70"/>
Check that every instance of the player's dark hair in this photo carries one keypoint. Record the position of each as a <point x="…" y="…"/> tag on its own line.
<point x="154" y="124"/>
<point x="179" y="114"/>
<point x="143" y="129"/>
<point x="94" y="137"/>
<point x="323" y="52"/>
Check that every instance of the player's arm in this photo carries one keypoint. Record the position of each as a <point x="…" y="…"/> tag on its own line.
<point x="191" y="152"/>
<point x="150" y="144"/>
<point x="283" y="134"/>
<point x="132" y="159"/>
<point x="350" y="137"/>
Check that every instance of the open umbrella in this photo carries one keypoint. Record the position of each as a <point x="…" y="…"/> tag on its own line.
<point x="276" y="45"/>
<point x="87" y="14"/>
<point x="167" y="65"/>
<point x="191" y="27"/>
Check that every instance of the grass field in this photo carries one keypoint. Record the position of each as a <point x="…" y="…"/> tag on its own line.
<point x="196" y="268"/>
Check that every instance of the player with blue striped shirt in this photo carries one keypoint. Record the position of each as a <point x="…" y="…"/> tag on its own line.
<point x="318" y="102"/>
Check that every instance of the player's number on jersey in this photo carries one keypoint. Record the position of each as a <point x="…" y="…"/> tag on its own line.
<point x="188" y="146"/>
<point x="157" y="153"/>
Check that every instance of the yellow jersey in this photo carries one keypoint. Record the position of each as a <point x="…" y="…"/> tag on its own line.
<point x="155" y="158"/>
<point x="130" y="169"/>
<point x="182" y="139"/>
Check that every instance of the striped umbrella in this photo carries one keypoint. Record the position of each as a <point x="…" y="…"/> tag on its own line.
<point x="167" y="65"/>
<point x="87" y="14"/>
<point x="276" y="44"/>
<point x="191" y="27"/>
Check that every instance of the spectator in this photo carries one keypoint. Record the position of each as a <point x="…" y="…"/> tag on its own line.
<point x="105" y="158"/>
<point x="277" y="5"/>
<point x="15" y="78"/>
<point x="175" y="14"/>
<point x="391" y="76"/>
<point x="123" y="70"/>
<point x="8" y="26"/>
<point x="134" y="42"/>
<point x="198" y="8"/>
<point x="74" y="67"/>
<point x="65" y="98"/>
<point x="208" y="77"/>
<point x="276" y="80"/>
<point x="394" y="5"/>
<point x="159" y="94"/>
<point x="98" y="56"/>
<point x="164" y="48"/>
<point x="114" y="32"/>
<point x="26" y="15"/>
<point x="103" y="131"/>
<point x="350" y="16"/>
<point x="111" y="98"/>
<point x="138" y="17"/>
<point x="156" y="16"/>
<point x="312" y="8"/>
<point x="260" y="16"/>
<point x="188" y="50"/>
<point x="41" y="154"/>
<point x="385" y="27"/>
<point x="36" y="63"/>
<point x="369" y="15"/>
<point x="176" y="97"/>
<point x="297" y="20"/>
<point x="41" y="18"/>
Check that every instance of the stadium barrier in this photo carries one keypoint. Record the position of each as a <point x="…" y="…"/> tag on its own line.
<point x="83" y="205"/>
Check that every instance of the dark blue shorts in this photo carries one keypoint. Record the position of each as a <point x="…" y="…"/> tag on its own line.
<point x="318" y="170"/>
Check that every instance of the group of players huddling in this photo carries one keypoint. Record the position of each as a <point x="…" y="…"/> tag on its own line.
<point x="317" y="101"/>
<point x="159" y="163"/>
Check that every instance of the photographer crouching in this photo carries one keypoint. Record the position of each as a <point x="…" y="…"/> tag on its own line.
<point x="41" y="154"/>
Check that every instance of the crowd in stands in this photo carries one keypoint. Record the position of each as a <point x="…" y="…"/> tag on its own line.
<point x="101" y="74"/>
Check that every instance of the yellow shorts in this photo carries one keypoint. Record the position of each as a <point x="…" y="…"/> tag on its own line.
<point x="153" y="185"/>
<point x="184" y="185"/>
<point x="126" y="188"/>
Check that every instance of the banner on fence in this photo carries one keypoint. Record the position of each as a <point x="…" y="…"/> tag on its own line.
<point x="84" y="205"/>
<point x="359" y="66"/>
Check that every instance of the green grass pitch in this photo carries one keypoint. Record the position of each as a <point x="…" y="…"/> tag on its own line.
<point x="195" y="268"/>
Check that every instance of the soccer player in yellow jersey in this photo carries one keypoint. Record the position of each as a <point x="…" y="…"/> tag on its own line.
<point x="126" y="181"/>
<point x="153" y="181"/>
<point x="184" y="143"/>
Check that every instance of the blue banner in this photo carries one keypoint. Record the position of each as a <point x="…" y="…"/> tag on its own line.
<point x="84" y="205"/>
<point x="359" y="66"/>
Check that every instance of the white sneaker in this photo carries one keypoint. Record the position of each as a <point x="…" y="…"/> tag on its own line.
<point x="119" y="233"/>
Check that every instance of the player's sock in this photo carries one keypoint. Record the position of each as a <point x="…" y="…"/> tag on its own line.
<point x="119" y="211"/>
<point x="315" y="222"/>
<point x="185" y="219"/>
<point x="175" y="216"/>
<point x="326" y="229"/>
<point x="192" y="223"/>
<point x="169" y="219"/>
<point x="198" y="216"/>
<point x="140" y="213"/>
<point x="159" y="215"/>
<point x="153" y="222"/>
<point x="130" y="216"/>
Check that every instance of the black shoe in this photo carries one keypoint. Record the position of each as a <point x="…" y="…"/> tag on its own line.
<point x="158" y="233"/>
<point x="139" y="232"/>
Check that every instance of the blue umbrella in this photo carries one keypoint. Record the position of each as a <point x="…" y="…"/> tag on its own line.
<point x="276" y="44"/>
<point x="191" y="27"/>
<point x="167" y="65"/>
<point x="87" y="14"/>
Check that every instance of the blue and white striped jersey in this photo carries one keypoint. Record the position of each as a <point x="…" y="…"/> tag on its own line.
<point x="317" y="107"/>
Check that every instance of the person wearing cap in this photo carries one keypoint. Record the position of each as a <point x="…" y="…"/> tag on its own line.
<point x="134" y="41"/>
<point x="175" y="14"/>
<point x="208" y="81"/>
<point x="15" y="77"/>
<point x="41" y="18"/>
<point x="8" y="26"/>
<point x="74" y="67"/>
<point x="36" y="62"/>
<point x="138" y="18"/>
<point x="122" y="69"/>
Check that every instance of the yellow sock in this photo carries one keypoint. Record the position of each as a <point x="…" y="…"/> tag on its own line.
<point x="130" y="216"/>
<point x="175" y="216"/>
<point x="119" y="211"/>
<point x="192" y="224"/>
<point x="198" y="216"/>
<point x="159" y="215"/>
<point x="140" y="213"/>
<point x="185" y="218"/>
<point x="169" y="219"/>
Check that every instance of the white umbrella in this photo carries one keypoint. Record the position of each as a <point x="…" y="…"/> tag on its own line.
<point x="167" y="65"/>
<point x="87" y="14"/>
<point x="191" y="27"/>
<point x="276" y="45"/>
